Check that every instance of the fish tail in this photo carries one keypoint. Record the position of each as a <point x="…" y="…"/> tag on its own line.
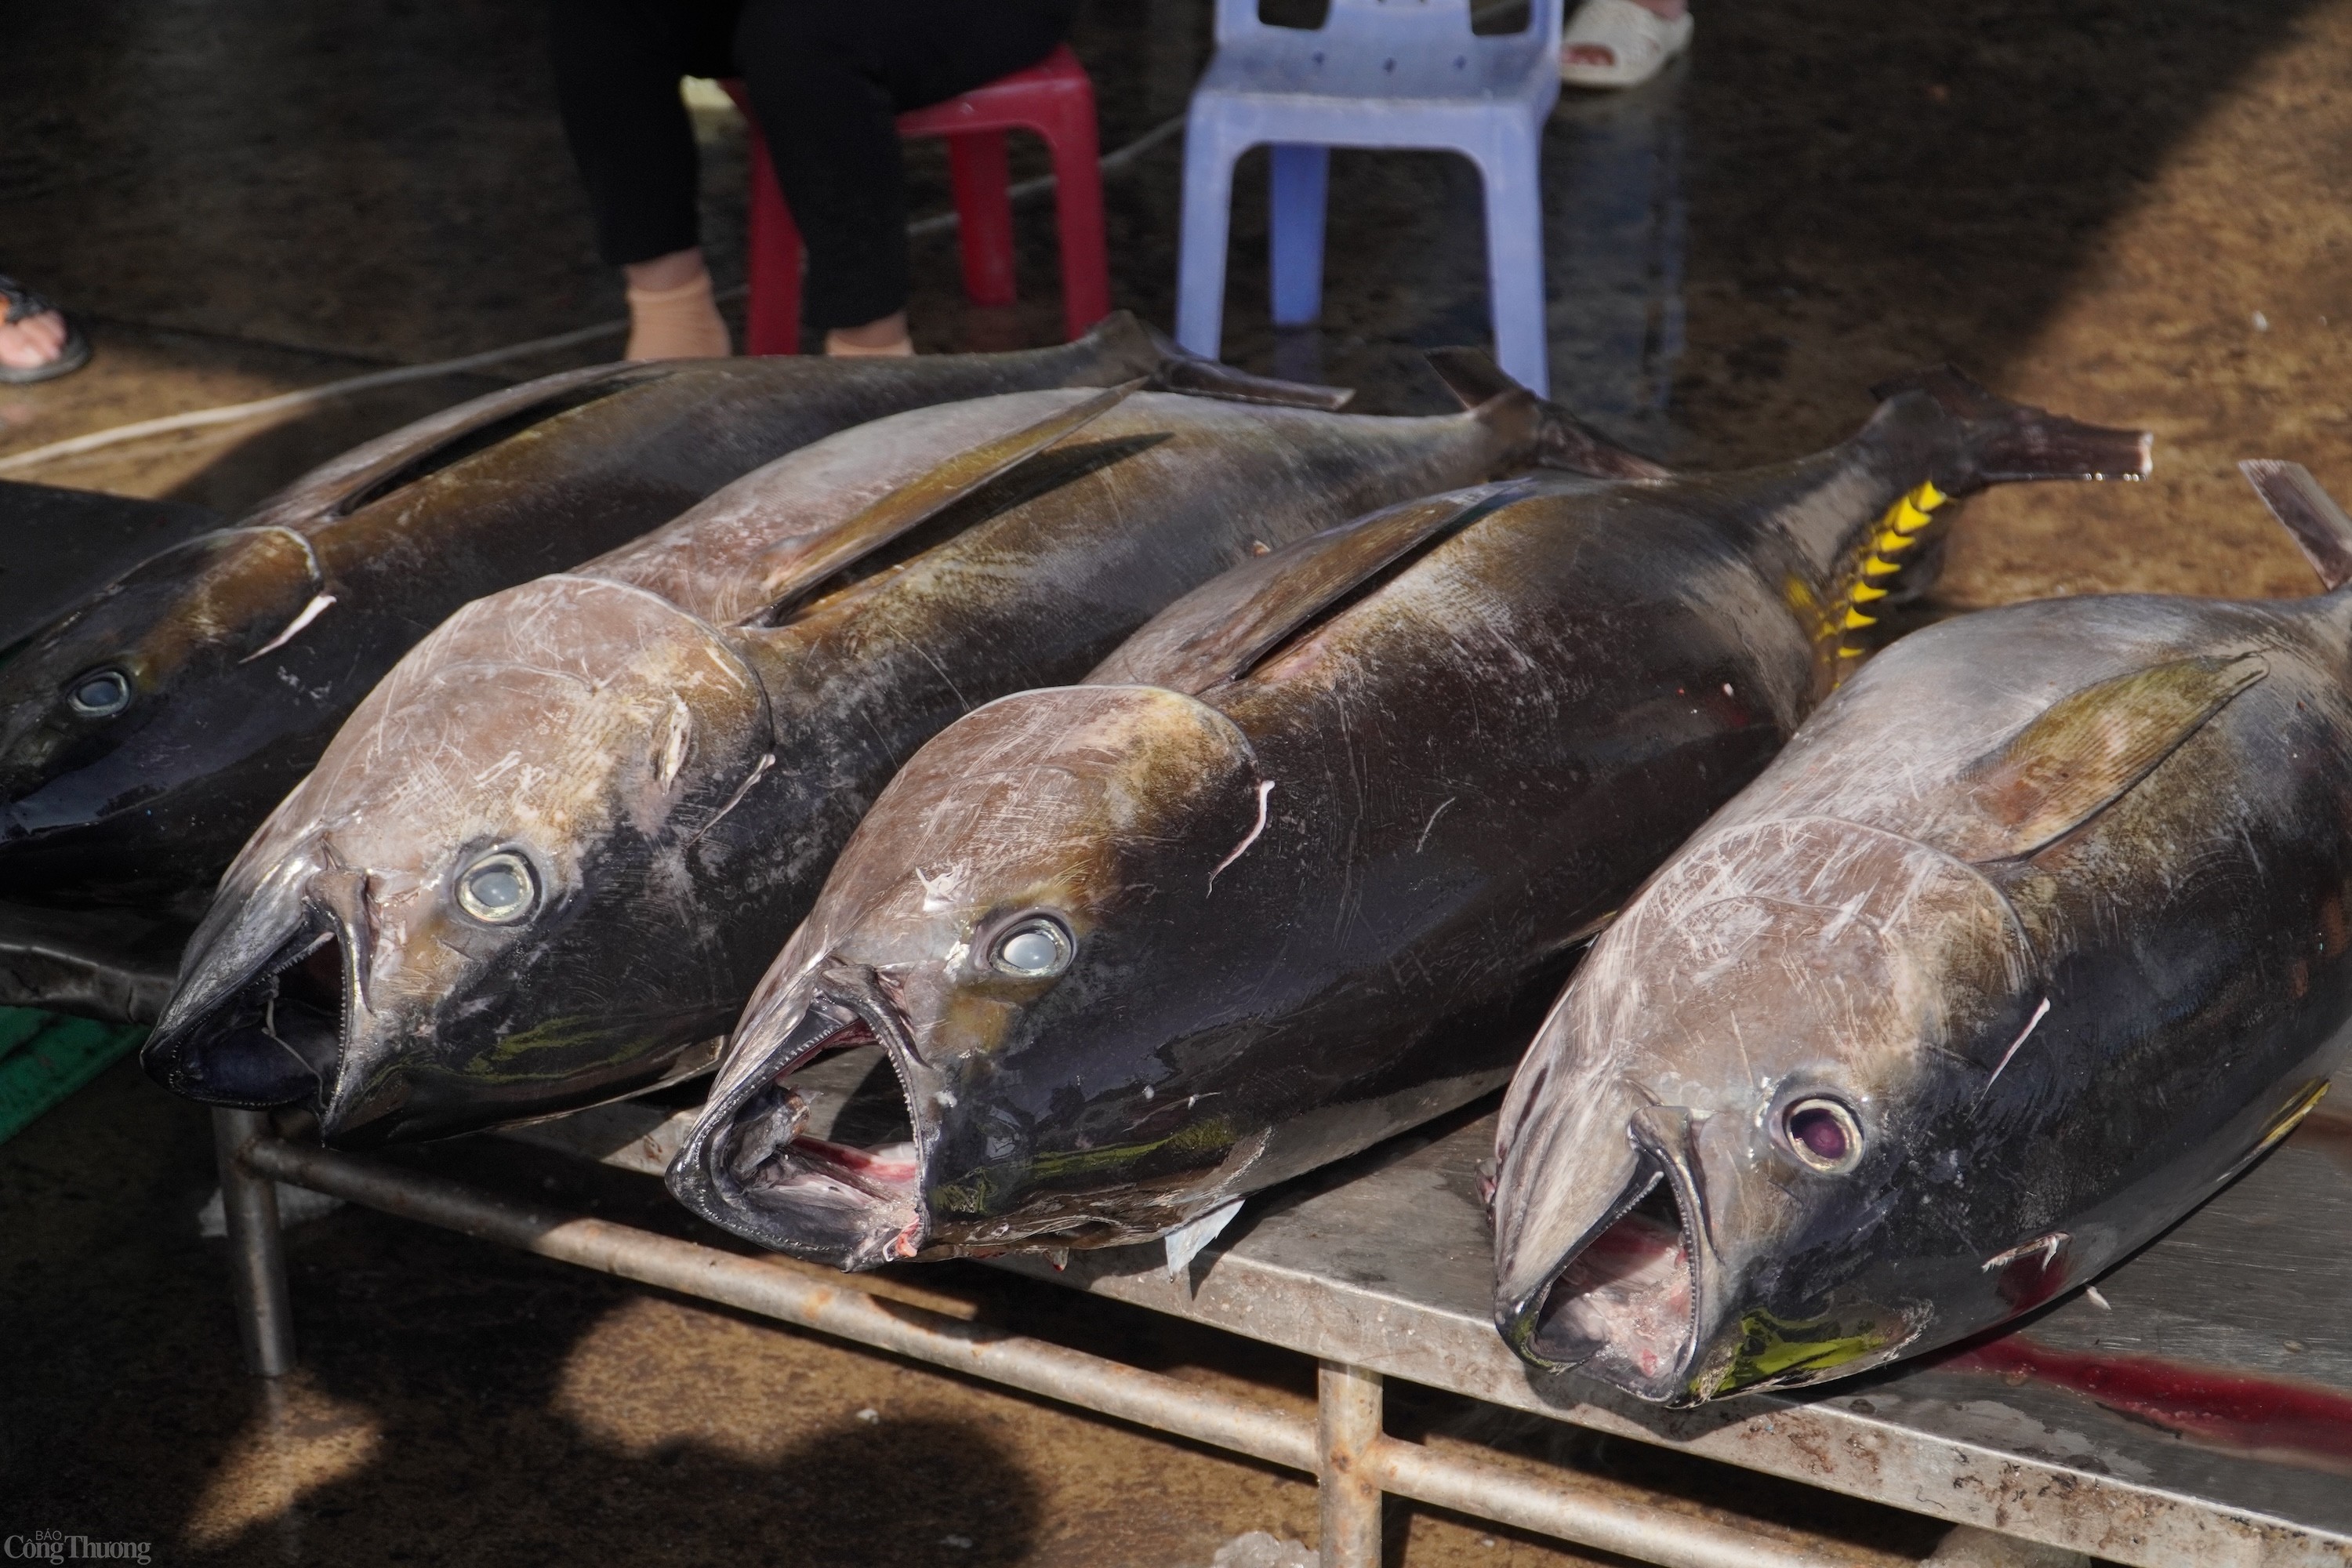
<point x="2301" y="503"/>
<point x="1557" y="440"/>
<point x="2003" y="441"/>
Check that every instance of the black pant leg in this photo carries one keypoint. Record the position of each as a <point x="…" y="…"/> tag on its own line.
<point x="617" y="65"/>
<point x="827" y="78"/>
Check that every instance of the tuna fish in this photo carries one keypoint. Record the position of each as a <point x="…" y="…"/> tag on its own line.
<point x="1302" y="863"/>
<point x="2033" y="937"/>
<point x="558" y="845"/>
<point x="145" y="733"/>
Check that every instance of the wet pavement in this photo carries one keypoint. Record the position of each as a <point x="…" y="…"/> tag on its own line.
<point x="2133" y="213"/>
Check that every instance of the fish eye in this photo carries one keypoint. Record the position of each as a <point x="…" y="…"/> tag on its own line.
<point x="1036" y="948"/>
<point x="101" y="693"/>
<point x="498" y="889"/>
<point x="1824" y="1135"/>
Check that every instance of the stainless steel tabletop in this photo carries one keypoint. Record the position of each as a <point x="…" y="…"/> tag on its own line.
<point x="2203" y="1414"/>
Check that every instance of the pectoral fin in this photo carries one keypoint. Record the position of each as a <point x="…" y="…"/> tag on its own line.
<point x="795" y="566"/>
<point x="374" y="469"/>
<point x="2085" y="752"/>
<point x="2309" y="513"/>
<point x="1220" y="631"/>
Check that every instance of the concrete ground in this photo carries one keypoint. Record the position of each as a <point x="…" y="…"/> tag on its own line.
<point x="2131" y="212"/>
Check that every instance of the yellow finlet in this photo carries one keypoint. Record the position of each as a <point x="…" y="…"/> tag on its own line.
<point x="1927" y="498"/>
<point x="1892" y="543"/>
<point x="1863" y="593"/>
<point x="1906" y="517"/>
<point x="2288" y="1120"/>
<point x="1877" y="566"/>
<point x="1854" y="620"/>
<point x="1850" y="652"/>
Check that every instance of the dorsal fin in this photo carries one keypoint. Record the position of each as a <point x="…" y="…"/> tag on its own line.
<point x="1220" y="630"/>
<point x="1472" y="376"/>
<point x="2085" y="752"/>
<point x="2309" y="513"/>
<point x="1556" y="438"/>
<point x="1178" y="369"/>
<point x="791" y="566"/>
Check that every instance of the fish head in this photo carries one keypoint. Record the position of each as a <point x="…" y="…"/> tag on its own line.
<point x="486" y="900"/>
<point x="102" y="711"/>
<point x="1721" y="1164"/>
<point x="1000" y="924"/>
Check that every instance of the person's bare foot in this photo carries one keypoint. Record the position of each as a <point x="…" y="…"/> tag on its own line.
<point x="36" y="340"/>
<point x="672" y="312"/>
<point x="885" y="339"/>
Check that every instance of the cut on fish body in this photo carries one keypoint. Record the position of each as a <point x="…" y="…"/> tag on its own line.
<point x="589" y="809"/>
<point x="1302" y="862"/>
<point x="2034" y="936"/>
<point x="146" y="731"/>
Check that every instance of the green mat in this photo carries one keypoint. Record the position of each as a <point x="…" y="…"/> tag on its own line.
<point x="44" y="1056"/>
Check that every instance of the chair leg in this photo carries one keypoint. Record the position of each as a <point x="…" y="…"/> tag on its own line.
<point x="772" y="269"/>
<point x="1200" y="251"/>
<point x="1078" y="215"/>
<point x="1296" y="195"/>
<point x="1515" y="265"/>
<point x="984" y="200"/>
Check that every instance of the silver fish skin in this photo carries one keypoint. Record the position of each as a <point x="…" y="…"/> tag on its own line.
<point x="146" y="730"/>
<point x="1303" y="863"/>
<point x="2033" y="937"/>
<point x="660" y="753"/>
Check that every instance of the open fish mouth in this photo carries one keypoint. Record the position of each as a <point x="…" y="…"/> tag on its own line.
<point x="817" y="1154"/>
<point x="276" y="1038"/>
<point x="1622" y="1305"/>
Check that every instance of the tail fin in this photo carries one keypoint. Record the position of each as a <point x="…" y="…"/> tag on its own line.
<point x="2309" y="513"/>
<point x="2017" y="441"/>
<point x="1562" y="441"/>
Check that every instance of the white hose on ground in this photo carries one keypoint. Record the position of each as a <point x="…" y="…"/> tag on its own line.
<point x="285" y="402"/>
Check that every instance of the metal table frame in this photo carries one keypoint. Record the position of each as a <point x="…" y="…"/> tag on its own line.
<point x="2047" y="1506"/>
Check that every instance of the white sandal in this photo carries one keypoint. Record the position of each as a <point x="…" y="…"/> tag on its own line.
<point x="1639" y="42"/>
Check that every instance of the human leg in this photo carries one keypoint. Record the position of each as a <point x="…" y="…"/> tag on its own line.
<point x="617" y="66"/>
<point x="828" y="81"/>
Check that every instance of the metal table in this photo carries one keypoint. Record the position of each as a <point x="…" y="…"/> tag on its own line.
<point x="2196" y="1410"/>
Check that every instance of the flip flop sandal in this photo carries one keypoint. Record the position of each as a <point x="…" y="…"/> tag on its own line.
<point x="72" y="355"/>
<point x="1639" y="42"/>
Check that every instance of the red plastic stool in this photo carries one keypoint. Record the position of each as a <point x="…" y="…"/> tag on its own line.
<point x="1054" y="97"/>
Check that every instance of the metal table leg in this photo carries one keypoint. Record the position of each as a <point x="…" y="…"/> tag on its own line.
<point x="1348" y="1402"/>
<point x="257" y="1253"/>
<point x="1345" y="1448"/>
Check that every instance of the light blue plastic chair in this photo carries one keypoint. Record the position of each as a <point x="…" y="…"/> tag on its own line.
<point x="1378" y="73"/>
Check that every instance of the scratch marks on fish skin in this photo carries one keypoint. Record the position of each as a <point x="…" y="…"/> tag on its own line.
<point x="1265" y="789"/>
<point x="500" y="766"/>
<point x="1421" y="842"/>
<point x="674" y="743"/>
<point x="310" y="612"/>
<point x="965" y="702"/>
<point x="941" y="890"/>
<point x="759" y="771"/>
<point x="2050" y="1247"/>
<point x="2030" y="1024"/>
